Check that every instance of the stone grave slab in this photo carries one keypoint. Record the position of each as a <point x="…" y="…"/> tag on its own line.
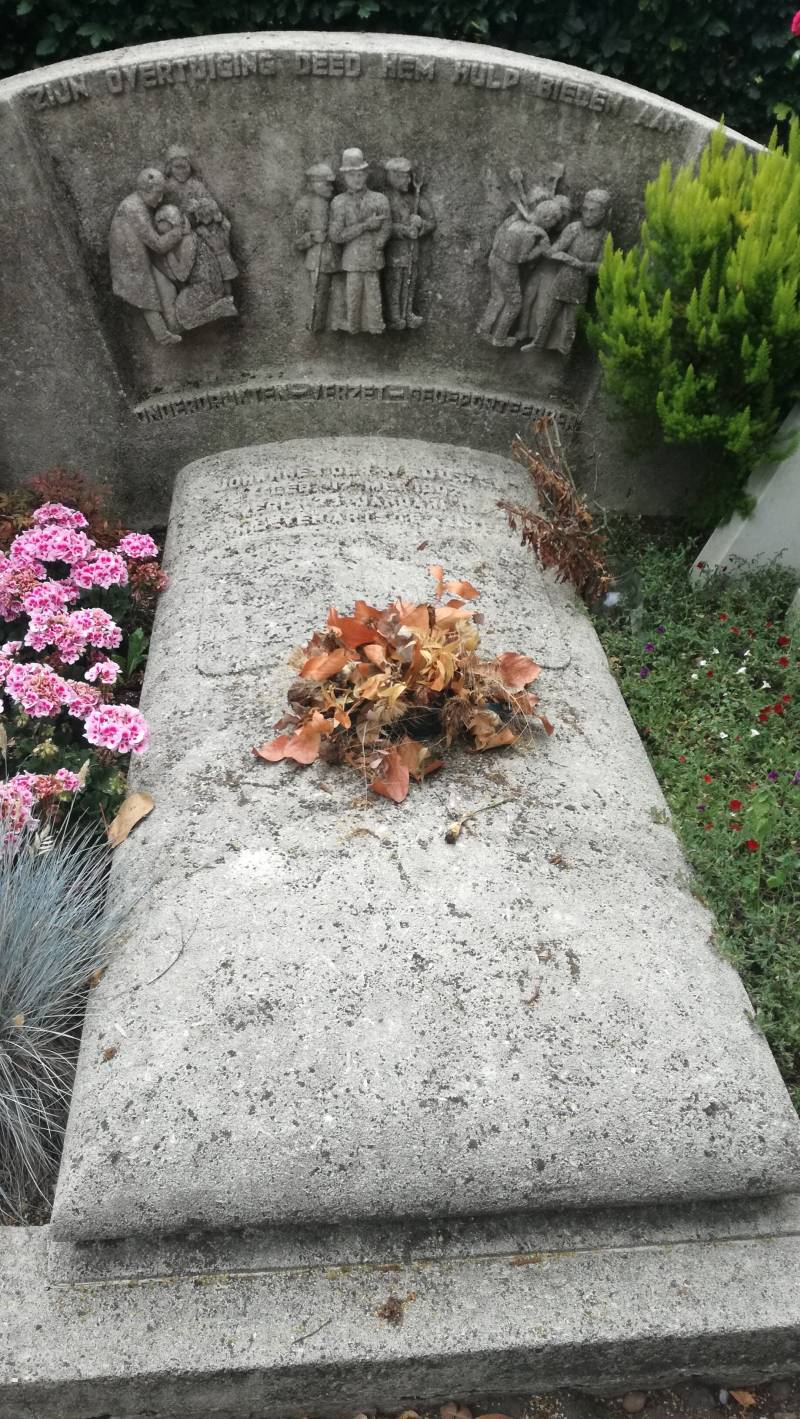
<point x="322" y="1013"/>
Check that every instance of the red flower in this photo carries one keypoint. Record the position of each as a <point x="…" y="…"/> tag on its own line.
<point x="751" y="845"/>
<point x="778" y="708"/>
<point x="737" y="827"/>
<point x="707" y="777"/>
<point x="734" y="805"/>
<point x="709" y="674"/>
<point x="723" y="615"/>
<point x="708" y="825"/>
<point x="784" y="640"/>
<point x="681" y="758"/>
<point x="701" y="566"/>
<point x="786" y="699"/>
<point x="796" y="25"/>
<point x="734" y="630"/>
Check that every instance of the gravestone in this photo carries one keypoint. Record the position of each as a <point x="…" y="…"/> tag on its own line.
<point x="213" y="242"/>
<point x="362" y="1115"/>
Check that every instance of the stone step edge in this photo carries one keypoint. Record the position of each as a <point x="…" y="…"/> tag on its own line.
<point x="313" y="1342"/>
<point x="389" y="1244"/>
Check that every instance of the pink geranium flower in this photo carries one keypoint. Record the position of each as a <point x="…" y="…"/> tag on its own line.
<point x="138" y="546"/>
<point x="119" y="728"/>
<point x="796" y="25"/>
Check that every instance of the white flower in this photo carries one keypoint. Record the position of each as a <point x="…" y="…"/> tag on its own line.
<point x="742" y="670"/>
<point x="701" y="662"/>
<point x="714" y="650"/>
<point x="693" y="675"/>
<point x="722" y="734"/>
<point x="747" y="652"/>
<point x="754" y="733"/>
<point x="766" y="685"/>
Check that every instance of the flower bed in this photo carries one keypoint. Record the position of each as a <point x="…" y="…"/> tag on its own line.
<point x="77" y="596"/>
<point x="712" y="680"/>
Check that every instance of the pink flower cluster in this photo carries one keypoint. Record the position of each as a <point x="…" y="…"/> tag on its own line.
<point x="138" y="546"/>
<point x="106" y="671"/>
<point x="18" y="796"/>
<point x="31" y="586"/>
<point x="37" y="689"/>
<point x="71" y="632"/>
<point x="118" y="727"/>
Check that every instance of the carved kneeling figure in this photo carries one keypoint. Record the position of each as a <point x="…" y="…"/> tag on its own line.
<point x="194" y="272"/>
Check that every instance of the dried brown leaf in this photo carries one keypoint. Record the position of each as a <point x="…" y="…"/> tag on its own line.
<point x="517" y="671"/>
<point x="135" y="807"/>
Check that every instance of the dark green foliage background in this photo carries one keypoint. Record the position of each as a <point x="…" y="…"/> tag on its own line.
<point x="731" y="59"/>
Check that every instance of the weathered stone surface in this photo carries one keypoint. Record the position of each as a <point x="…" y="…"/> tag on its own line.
<point x="307" y="1340"/>
<point x="248" y="342"/>
<point x="321" y="1011"/>
<point x="771" y="531"/>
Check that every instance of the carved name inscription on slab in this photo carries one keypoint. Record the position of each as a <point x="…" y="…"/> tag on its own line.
<point x="373" y="515"/>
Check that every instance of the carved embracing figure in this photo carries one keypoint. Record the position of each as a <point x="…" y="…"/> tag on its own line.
<point x="169" y="249"/>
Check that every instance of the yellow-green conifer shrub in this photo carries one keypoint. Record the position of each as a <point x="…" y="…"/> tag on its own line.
<point x="698" y="326"/>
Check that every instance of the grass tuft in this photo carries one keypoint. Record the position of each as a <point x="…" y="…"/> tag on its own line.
<point x="53" y="936"/>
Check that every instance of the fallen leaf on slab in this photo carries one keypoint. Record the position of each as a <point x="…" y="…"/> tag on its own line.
<point x="744" y="1398"/>
<point x="135" y="807"/>
<point x="394" y="778"/>
<point x="353" y="632"/>
<point x="108" y="1053"/>
<point x="462" y="588"/>
<point x="18" y="1020"/>
<point x="516" y="670"/>
<point x="322" y="667"/>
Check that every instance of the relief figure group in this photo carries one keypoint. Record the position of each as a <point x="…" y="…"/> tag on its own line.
<point x="541" y="265"/>
<point x="170" y="252"/>
<point x="361" y="246"/>
<point x="169" y="248"/>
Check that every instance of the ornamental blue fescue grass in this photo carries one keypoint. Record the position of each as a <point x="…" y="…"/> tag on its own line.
<point x="54" y="933"/>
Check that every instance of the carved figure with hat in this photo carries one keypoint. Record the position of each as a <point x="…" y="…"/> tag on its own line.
<point x="311" y="236"/>
<point x="360" y="226"/>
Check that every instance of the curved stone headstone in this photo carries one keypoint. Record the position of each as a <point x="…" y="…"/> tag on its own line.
<point x="216" y="241"/>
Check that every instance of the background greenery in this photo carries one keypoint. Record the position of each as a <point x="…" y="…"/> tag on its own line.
<point x="733" y="60"/>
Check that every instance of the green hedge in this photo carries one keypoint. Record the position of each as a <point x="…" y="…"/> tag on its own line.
<point x="732" y="59"/>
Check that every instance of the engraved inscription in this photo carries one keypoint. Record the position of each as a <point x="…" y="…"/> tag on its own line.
<point x="169" y="249"/>
<point x="485" y="76"/>
<point x="362" y="502"/>
<point x="539" y="279"/>
<point x="327" y="64"/>
<point x="408" y="66"/>
<point x="125" y="79"/>
<point x="236" y="396"/>
<point x="58" y="92"/>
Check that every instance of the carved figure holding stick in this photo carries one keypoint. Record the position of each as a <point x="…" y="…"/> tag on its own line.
<point x="412" y="219"/>
<point x="311" y="226"/>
